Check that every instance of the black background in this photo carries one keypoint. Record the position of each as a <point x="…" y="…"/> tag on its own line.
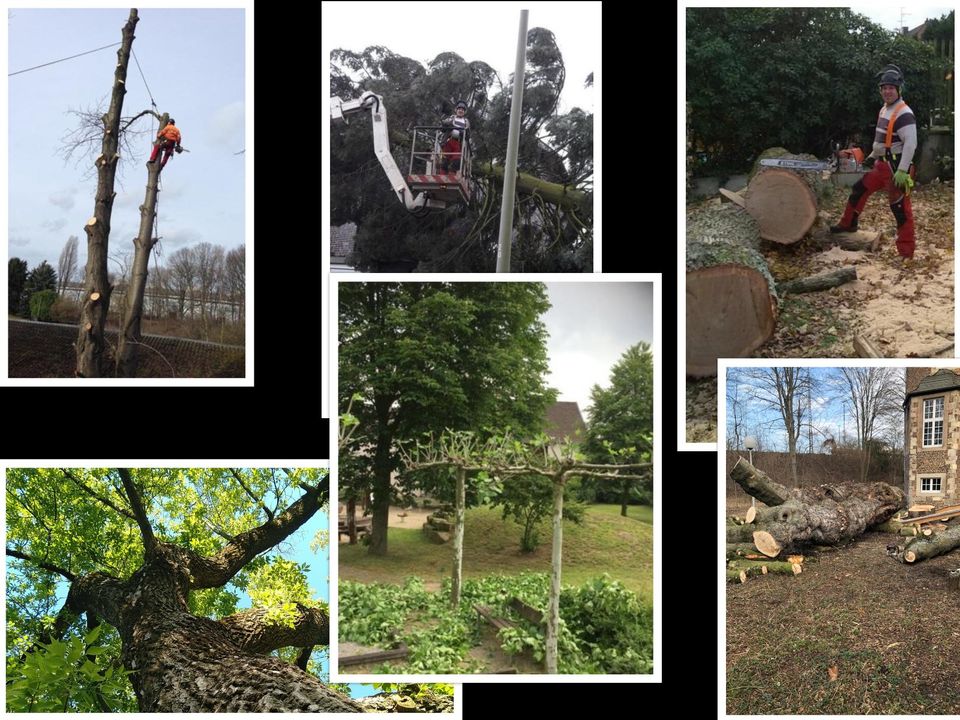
<point x="281" y="418"/>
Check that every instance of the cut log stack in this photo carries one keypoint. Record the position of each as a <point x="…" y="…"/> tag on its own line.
<point x="923" y="547"/>
<point x="439" y="526"/>
<point x="731" y="296"/>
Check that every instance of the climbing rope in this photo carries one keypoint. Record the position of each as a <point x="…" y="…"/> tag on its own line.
<point x="54" y="62"/>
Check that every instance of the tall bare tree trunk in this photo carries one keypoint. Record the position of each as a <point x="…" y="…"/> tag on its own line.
<point x="96" y="296"/>
<point x="553" y="612"/>
<point x="128" y="352"/>
<point x="461" y="502"/>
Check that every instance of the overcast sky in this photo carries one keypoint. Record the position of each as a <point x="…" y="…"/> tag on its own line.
<point x="485" y="31"/>
<point x="893" y="17"/>
<point x="193" y="61"/>
<point x="591" y="324"/>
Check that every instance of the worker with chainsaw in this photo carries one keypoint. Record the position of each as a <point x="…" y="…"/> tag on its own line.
<point x="168" y="140"/>
<point x="894" y="144"/>
<point x="451" y="150"/>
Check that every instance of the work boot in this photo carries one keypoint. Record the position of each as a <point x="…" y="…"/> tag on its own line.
<point x="838" y="228"/>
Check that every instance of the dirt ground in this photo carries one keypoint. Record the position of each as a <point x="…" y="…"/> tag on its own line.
<point x="887" y="633"/>
<point x="905" y="311"/>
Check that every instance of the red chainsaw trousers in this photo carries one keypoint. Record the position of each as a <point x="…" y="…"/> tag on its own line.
<point x="881" y="177"/>
<point x="167" y="146"/>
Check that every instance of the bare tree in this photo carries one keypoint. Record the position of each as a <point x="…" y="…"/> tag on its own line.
<point x="182" y="270"/>
<point x="209" y="260"/>
<point x="781" y="389"/>
<point x="735" y="412"/>
<point x="876" y="398"/>
<point x="67" y="265"/>
<point x="234" y="272"/>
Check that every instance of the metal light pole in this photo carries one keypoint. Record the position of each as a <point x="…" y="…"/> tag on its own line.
<point x="513" y="149"/>
<point x="750" y="443"/>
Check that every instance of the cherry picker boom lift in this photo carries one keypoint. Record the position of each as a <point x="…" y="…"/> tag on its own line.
<point x="419" y="192"/>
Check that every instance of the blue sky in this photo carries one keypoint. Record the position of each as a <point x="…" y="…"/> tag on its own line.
<point x="193" y="61"/>
<point x="830" y="410"/>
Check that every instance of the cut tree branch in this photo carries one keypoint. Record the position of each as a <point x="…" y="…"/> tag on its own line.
<point x="250" y="494"/>
<point x="252" y="631"/>
<point x="140" y="515"/>
<point x="216" y="570"/>
<point x="92" y="493"/>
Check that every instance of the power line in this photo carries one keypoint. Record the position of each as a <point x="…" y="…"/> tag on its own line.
<point x="54" y="62"/>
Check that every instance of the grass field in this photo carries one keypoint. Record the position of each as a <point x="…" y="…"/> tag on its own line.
<point x="605" y="543"/>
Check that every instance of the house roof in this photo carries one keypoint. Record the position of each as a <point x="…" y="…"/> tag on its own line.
<point x="565" y="421"/>
<point x="938" y="382"/>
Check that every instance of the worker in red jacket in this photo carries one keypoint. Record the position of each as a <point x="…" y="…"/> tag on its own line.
<point x="168" y="140"/>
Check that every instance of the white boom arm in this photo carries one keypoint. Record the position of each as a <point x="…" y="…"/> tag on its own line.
<point x="340" y="110"/>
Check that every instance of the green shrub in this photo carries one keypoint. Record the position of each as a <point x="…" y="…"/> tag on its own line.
<point x="41" y="303"/>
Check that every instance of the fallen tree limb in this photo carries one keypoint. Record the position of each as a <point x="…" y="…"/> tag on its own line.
<point x="816" y="283"/>
<point x="922" y="548"/>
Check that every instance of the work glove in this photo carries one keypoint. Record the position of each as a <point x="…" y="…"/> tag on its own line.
<point x="903" y="181"/>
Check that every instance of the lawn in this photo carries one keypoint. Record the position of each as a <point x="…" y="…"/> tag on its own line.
<point x="605" y="543"/>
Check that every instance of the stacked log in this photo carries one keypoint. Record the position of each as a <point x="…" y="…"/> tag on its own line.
<point x="923" y="547"/>
<point x="731" y="295"/>
<point x="439" y="526"/>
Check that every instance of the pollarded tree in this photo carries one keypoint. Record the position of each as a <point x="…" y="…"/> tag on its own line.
<point x="429" y="356"/>
<point x="161" y="556"/>
<point x="621" y="418"/>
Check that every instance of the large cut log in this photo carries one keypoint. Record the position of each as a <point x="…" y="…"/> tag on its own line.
<point x="816" y="283"/>
<point x="921" y="548"/>
<point x="740" y="533"/>
<point x="731" y="295"/>
<point x="783" y="205"/>
<point x="758" y="484"/>
<point x="796" y="523"/>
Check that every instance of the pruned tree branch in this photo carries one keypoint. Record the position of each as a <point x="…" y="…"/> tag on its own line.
<point x="92" y="493"/>
<point x="41" y="564"/>
<point x="250" y="494"/>
<point x="140" y="515"/>
<point x="252" y="631"/>
<point x="216" y="570"/>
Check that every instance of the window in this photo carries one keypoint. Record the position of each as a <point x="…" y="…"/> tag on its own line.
<point x="931" y="484"/>
<point x="933" y="422"/>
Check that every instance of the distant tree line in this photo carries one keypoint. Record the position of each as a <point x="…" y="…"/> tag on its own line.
<point x="199" y="282"/>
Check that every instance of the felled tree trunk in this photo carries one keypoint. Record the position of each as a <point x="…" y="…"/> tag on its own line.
<point x="823" y="515"/>
<point x="921" y="548"/>
<point x="731" y="295"/>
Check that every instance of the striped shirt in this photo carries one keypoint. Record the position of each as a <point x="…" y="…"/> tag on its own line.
<point x="904" y="140"/>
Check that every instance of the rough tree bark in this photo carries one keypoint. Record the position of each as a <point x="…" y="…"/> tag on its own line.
<point x="128" y="351"/>
<point x="96" y="297"/>
<point x="183" y="663"/>
<point x="461" y="502"/>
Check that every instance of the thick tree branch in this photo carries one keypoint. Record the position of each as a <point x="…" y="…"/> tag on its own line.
<point x="137" y="116"/>
<point x="41" y="564"/>
<point x="140" y="515"/>
<point x="251" y="631"/>
<point x="216" y="570"/>
<point x="250" y="494"/>
<point x="99" y="594"/>
<point x="303" y="657"/>
<point x="92" y="493"/>
<point x="606" y="476"/>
